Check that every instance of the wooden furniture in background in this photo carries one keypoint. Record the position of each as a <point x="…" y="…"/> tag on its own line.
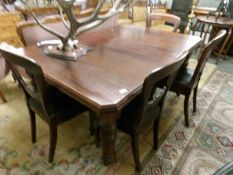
<point x="41" y="98"/>
<point x="107" y="79"/>
<point x="8" y="25"/>
<point x="201" y="11"/>
<point x="145" y="110"/>
<point x="187" y="80"/>
<point x="166" y="18"/>
<point x="8" y="34"/>
<point x="182" y="8"/>
<point x="210" y="23"/>
<point x="43" y="11"/>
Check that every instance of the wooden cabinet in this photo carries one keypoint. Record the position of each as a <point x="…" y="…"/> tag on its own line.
<point x="8" y="27"/>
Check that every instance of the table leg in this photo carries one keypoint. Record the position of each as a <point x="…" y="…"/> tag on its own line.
<point x="108" y="131"/>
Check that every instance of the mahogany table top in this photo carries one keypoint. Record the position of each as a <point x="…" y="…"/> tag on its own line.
<point x="110" y="75"/>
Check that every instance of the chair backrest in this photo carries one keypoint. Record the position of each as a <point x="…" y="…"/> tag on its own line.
<point x="205" y="55"/>
<point x="167" y="18"/>
<point x="35" y="88"/>
<point x="152" y="86"/>
<point x="31" y="33"/>
<point x="42" y="12"/>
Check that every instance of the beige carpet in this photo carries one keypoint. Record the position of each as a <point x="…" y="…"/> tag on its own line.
<point x="76" y="153"/>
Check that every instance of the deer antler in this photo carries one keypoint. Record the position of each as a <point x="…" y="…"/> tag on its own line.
<point x="63" y="19"/>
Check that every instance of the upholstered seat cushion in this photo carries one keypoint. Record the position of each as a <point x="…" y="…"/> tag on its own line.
<point x="60" y="105"/>
<point x="183" y="78"/>
<point x="129" y="112"/>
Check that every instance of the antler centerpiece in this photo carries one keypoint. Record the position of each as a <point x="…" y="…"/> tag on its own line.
<point x="67" y="46"/>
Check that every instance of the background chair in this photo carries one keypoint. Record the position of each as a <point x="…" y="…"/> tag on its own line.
<point x="182" y="8"/>
<point x="145" y="110"/>
<point x="187" y="80"/>
<point x="166" y="18"/>
<point x="48" y="102"/>
<point x="31" y="33"/>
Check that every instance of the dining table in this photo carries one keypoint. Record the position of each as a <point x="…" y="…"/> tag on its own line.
<point x="111" y="75"/>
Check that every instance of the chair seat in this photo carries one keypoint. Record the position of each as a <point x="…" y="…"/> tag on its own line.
<point x="129" y="112"/>
<point x="183" y="78"/>
<point x="60" y="105"/>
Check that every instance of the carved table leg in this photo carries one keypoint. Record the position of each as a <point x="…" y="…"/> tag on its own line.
<point x="108" y="135"/>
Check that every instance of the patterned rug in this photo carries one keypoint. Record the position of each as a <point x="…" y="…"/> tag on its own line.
<point x="200" y="149"/>
<point x="208" y="144"/>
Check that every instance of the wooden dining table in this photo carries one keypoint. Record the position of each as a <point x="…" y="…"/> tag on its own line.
<point x="107" y="78"/>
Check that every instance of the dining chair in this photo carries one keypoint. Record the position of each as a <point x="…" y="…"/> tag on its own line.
<point x="53" y="106"/>
<point x="31" y="33"/>
<point x="166" y="18"/>
<point x="145" y="110"/>
<point x="187" y="80"/>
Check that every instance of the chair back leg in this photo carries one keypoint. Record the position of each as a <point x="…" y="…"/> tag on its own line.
<point x="33" y="125"/>
<point x="156" y="133"/>
<point x="53" y="138"/>
<point x="3" y="97"/>
<point x="186" y="110"/>
<point x="195" y="99"/>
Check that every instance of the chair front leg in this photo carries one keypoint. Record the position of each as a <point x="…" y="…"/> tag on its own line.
<point x="53" y="138"/>
<point x="186" y="113"/>
<point x="195" y="99"/>
<point x="156" y="133"/>
<point x="33" y="124"/>
<point x="135" y="149"/>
